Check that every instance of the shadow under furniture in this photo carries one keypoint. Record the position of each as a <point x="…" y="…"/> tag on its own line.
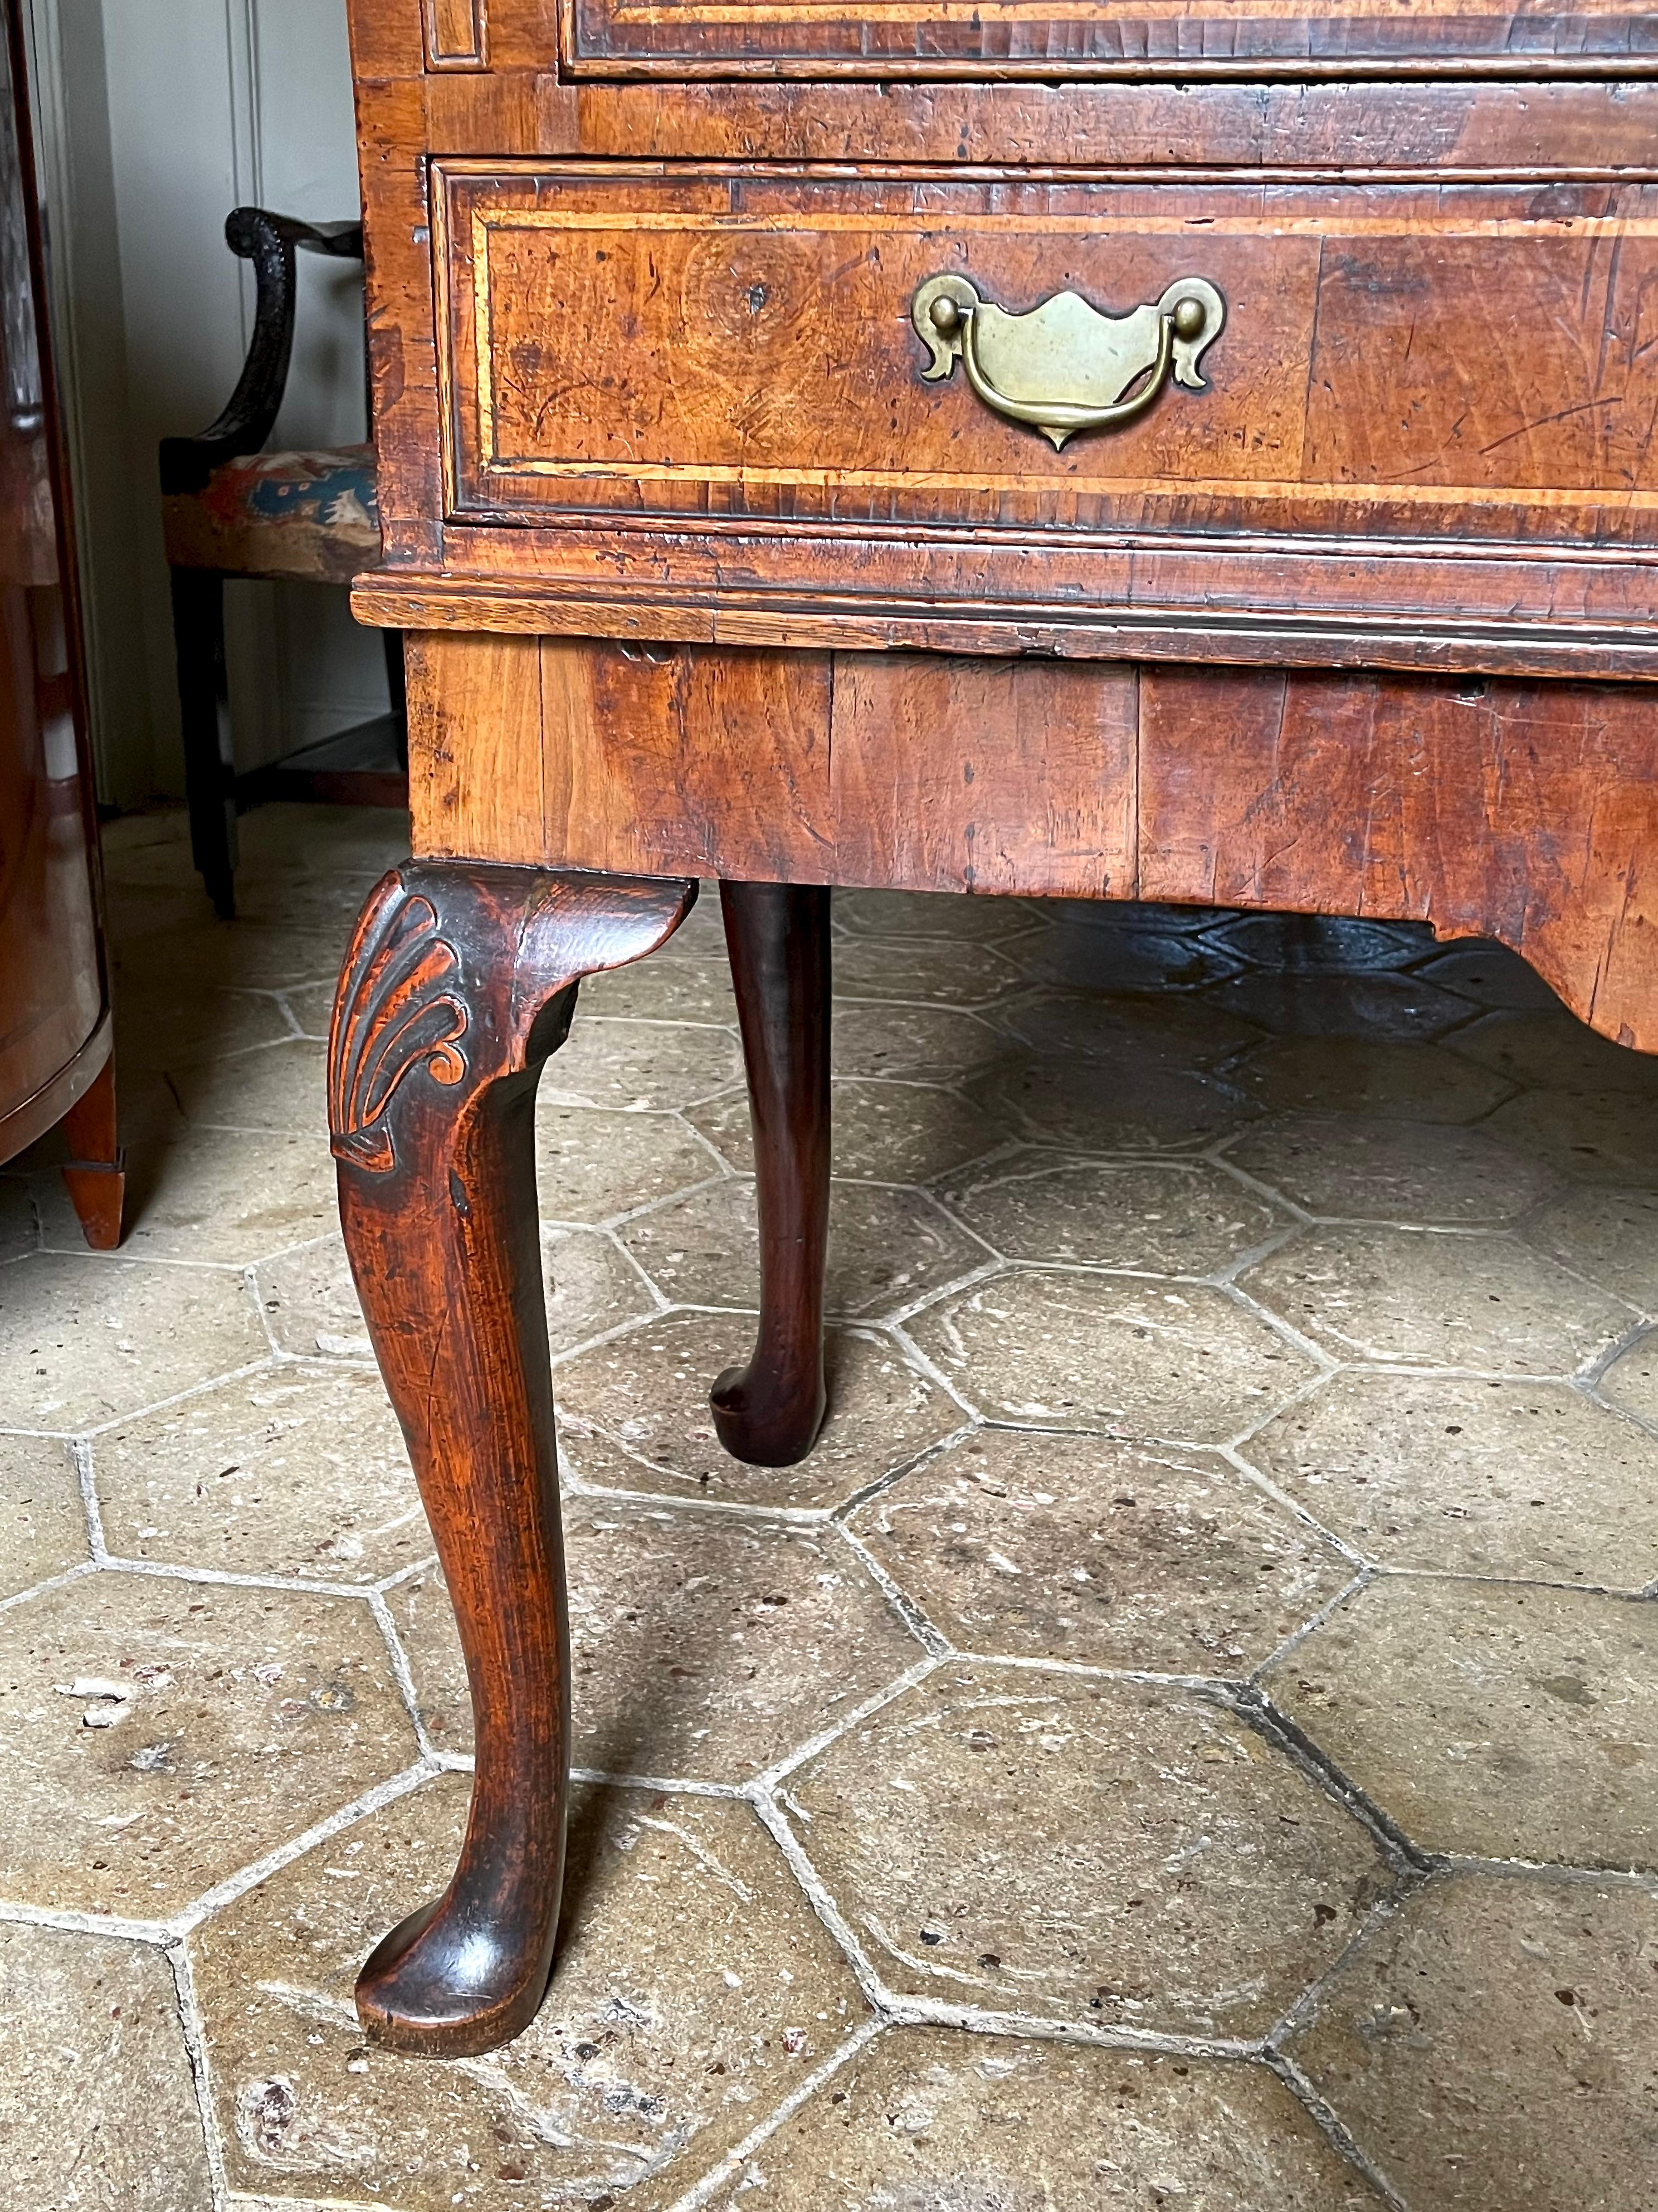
<point x="233" y="510"/>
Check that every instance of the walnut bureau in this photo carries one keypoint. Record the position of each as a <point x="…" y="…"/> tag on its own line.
<point x="1183" y="450"/>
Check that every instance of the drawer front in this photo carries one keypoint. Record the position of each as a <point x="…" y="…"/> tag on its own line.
<point x="1050" y="38"/>
<point x="1398" y="364"/>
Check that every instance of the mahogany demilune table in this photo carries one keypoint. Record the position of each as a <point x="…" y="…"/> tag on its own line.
<point x="1180" y="450"/>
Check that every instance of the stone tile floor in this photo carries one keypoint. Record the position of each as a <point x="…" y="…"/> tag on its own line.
<point x="1189" y="1737"/>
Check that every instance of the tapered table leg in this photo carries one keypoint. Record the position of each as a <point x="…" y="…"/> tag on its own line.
<point x="769" y="1411"/>
<point x="95" y="1177"/>
<point x="460" y="981"/>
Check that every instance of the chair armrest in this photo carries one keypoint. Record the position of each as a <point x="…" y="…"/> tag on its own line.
<point x="270" y="242"/>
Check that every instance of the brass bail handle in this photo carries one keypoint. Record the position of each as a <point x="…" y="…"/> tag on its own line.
<point x="1065" y="367"/>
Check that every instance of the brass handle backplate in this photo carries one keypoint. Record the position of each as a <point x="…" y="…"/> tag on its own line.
<point x="1065" y="367"/>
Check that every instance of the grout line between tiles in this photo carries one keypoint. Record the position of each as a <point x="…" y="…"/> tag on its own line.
<point x="296" y="1847"/>
<point x="66" y="1920"/>
<point x="879" y="1484"/>
<point x="1352" y="1589"/>
<point x="740" y="2156"/>
<point x="910" y="1614"/>
<point x="1330" y="2124"/>
<point x="75" y="1574"/>
<point x="402" y="1673"/>
<point x="1316" y="1764"/>
<point x="229" y="1578"/>
<point x="780" y="1772"/>
<point x="193" y="2026"/>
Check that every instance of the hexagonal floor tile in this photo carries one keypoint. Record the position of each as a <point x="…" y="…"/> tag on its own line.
<point x="147" y="847"/>
<point x="1077" y="1548"/>
<point x="1352" y="1167"/>
<point x="326" y="839"/>
<point x="695" y="1990"/>
<point x="704" y="1645"/>
<point x="1528" y="1479"/>
<point x="592" y="1164"/>
<point x="886" y="1246"/>
<point x="1491" y="975"/>
<point x="1373" y="1005"/>
<point x="1492" y="2044"/>
<point x="1314" y="944"/>
<point x="681" y="983"/>
<point x="933" y="913"/>
<point x="589" y="1286"/>
<point x="1081" y="957"/>
<point x="634" y="1415"/>
<point x="1593" y="1136"/>
<point x="1610" y="1236"/>
<point x="913" y="1044"/>
<point x="931" y="2116"/>
<point x="297" y="1470"/>
<point x="135" y="911"/>
<point x="149" y="1111"/>
<point x="1155" y="1216"/>
<point x="1136" y="1108"/>
<point x="84" y="1338"/>
<point x="254" y="954"/>
<point x="640" y="1065"/>
<point x="310" y="1303"/>
<point x="1498" y="1722"/>
<point x="1439" y="1299"/>
<point x="1170" y="1032"/>
<point x="1088" y="1850"/>
<point x="251" y="1714"/>
<point x="702" y="932"/>
<point x="19" y="1224"/>
<point x="1101" y="1352"/>
<point x="43" y="1521"/>
<point x="906" y="1133"/>
<point x="1133" y="916"/>
<point x="91" y="2025"/>
<point x="297" y="898"/>
<point x="231" y="1195"/>
<point x="1631" y="1382"/>
<point x="170" y="1025"/>
<point x="1366" y="1075"/>
<point x="1556" y="1051"/>
<point x="279" y="1086"/>
<point x="923" y="970"/>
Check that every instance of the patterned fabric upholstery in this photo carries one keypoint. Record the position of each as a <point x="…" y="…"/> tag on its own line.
<point x="313" y="516"/>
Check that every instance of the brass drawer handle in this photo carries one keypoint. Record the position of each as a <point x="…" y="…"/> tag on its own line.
<point x="1065" y="367"/>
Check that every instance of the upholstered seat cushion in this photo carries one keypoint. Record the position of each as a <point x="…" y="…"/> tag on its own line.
<point x="313" y="516"/>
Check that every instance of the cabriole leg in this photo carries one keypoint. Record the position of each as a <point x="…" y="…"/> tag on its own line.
<point x="769" y="1411"/>
<point x="205" y="713"/>
<point x="459" y="982"/>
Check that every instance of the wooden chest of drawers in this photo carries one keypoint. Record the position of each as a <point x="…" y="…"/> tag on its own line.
<point x="1198" y="450"/>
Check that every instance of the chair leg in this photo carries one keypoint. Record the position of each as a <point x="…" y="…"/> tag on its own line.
<point x="95" y="1176"/>
<point x="769" y="1411"/>
<point x="204" y="712"/>
<point x="396" y="685"/>
<point x="459" y="982"/>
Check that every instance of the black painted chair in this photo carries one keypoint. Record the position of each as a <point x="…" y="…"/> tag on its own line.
<point x="233" y="510"/>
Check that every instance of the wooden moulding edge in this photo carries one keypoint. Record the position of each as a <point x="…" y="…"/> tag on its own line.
<point x="31" y="1120"/>
<point x="1616" y="651"/>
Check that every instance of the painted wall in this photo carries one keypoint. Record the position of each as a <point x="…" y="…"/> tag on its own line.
<point x="165" y="116"/>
